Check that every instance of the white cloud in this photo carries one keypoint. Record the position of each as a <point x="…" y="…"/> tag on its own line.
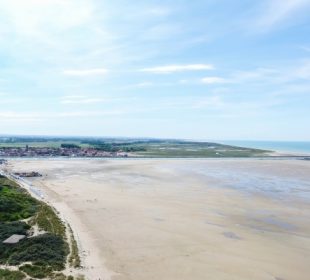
<point x="213" y="80"/>
<point x="90" y="113"/>
<point x="33" y="17"/>
<point x="138" y="85"/>
<point x="158" y="11"/>
<point x="12" y="116"/>
<point x="167" y="69"/>
<point x="86" y="72"/>
<point x="9" y="116"/>
<point x="265" y="75"/>
<point x="80" y="99"/>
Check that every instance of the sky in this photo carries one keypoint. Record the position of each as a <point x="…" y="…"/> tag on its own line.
<point x="203" y="69"/>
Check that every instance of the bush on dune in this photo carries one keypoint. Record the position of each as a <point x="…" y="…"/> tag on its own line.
<point x="42" y="250"/>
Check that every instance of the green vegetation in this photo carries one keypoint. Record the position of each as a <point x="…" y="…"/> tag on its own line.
<point x="38" y="142"/>
<point x="115" y="147"/>
<point x="11" y="275"/>
<point x="60" y="276"/>
<point x="43" y="250"/>
<point x="138" y="147"/>
<point x="39" y="272"/>
<point x="48" y="221"/>
<point x="36" y="271"/>
<point x="180" y="149"/>
<point x="74" y="258"/>
<point x="69" y="146"/>
<point x="15" y="203"/>
<point x="8" y="229"/>
<point x="46" y="252"/>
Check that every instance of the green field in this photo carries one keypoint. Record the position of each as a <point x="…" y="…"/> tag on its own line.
<point x="139" y="147"/>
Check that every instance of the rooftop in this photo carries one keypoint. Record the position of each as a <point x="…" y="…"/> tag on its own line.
<point x="15" y="238"/>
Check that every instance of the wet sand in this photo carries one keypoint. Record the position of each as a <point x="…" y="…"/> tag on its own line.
<point x="184" y="219"/>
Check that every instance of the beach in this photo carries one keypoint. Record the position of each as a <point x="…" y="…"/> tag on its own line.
<point x="220" y="219"/>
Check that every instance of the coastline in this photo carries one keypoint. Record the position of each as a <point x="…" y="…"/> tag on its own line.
<point x="111" y="212"/>
<point x="88" y="253"/>
<point x="268" y="155"/>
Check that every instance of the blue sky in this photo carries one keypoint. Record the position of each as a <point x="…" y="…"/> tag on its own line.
<point x="211" y="69"/>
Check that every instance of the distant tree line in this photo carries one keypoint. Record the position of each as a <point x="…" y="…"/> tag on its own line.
<point x="69" y="146"/>
<point x="119" y="147"/>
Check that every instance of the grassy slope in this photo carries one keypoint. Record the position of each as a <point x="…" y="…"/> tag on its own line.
<point x="15" y="203"/>
<point x="47" y="252"/>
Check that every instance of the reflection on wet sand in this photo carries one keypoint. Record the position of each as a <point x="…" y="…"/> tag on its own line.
<point x="184" y="219"/>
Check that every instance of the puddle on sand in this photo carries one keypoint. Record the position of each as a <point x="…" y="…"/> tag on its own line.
<point x="231" y="235"/>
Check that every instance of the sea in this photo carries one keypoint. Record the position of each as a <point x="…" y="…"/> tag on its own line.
<point x="301" y="147"/>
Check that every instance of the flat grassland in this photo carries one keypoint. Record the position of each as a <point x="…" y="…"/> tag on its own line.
<point x="214" y="219"/>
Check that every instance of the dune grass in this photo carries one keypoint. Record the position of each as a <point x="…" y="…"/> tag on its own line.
<point x="47" y="220"/>
<point x="47" y="252"/>
<point x="6" y="274"/>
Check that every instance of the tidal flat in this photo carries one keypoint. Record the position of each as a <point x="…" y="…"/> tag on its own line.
<point x="220" y="219"/>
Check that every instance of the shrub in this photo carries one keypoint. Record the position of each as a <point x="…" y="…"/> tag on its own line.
<point x="8" y="229"/>
<point x="42" y="250"/>
<point x="11" y="275"/>
<point x="15" y="203"/>
<point x="36" y="271"/>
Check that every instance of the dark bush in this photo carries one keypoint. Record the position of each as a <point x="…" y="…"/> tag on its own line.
<point x="43" y="250"/>
<point x="8" y="229"/>
<point x="11" y="275"/>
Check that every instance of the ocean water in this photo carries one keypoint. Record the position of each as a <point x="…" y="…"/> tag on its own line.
<point x="278" y="146"/>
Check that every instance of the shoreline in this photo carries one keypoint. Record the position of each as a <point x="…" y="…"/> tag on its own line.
<point x="108" y="207"/>
<point x="71" y="222"/>
<point x="277" y="156"/>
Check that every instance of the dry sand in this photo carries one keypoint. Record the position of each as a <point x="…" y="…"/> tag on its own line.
<point x="184" y="219"/>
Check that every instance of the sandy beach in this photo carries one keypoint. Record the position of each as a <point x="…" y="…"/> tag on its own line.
<point x="183" y="219"/>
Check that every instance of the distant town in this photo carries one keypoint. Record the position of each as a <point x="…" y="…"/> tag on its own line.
<point x="58" y="152"/>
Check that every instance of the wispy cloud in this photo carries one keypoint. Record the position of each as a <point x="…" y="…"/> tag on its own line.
<point x="12" y="116"/>
<point x="80" y="99"/>
<point x="90" y="113"/>
<point x="35" y="17"/>
<point x="213" y="102"/>
<point x="158" y="11"/>
<point x="274" y="12"/>
<point x="86" y="72"/>
<point x="249" y="76"/>
<point x="167" y="69"/>
<point x="305" y="48"/>
<point x="214" y="80"/>
<point x="8" y="116"/>
<point x="162" y="32"/>
<point x="303" y="72"/>
<point x="139" y="85"/>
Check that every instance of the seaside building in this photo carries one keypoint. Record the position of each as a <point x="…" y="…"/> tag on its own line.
<point x="15" y="238"/>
